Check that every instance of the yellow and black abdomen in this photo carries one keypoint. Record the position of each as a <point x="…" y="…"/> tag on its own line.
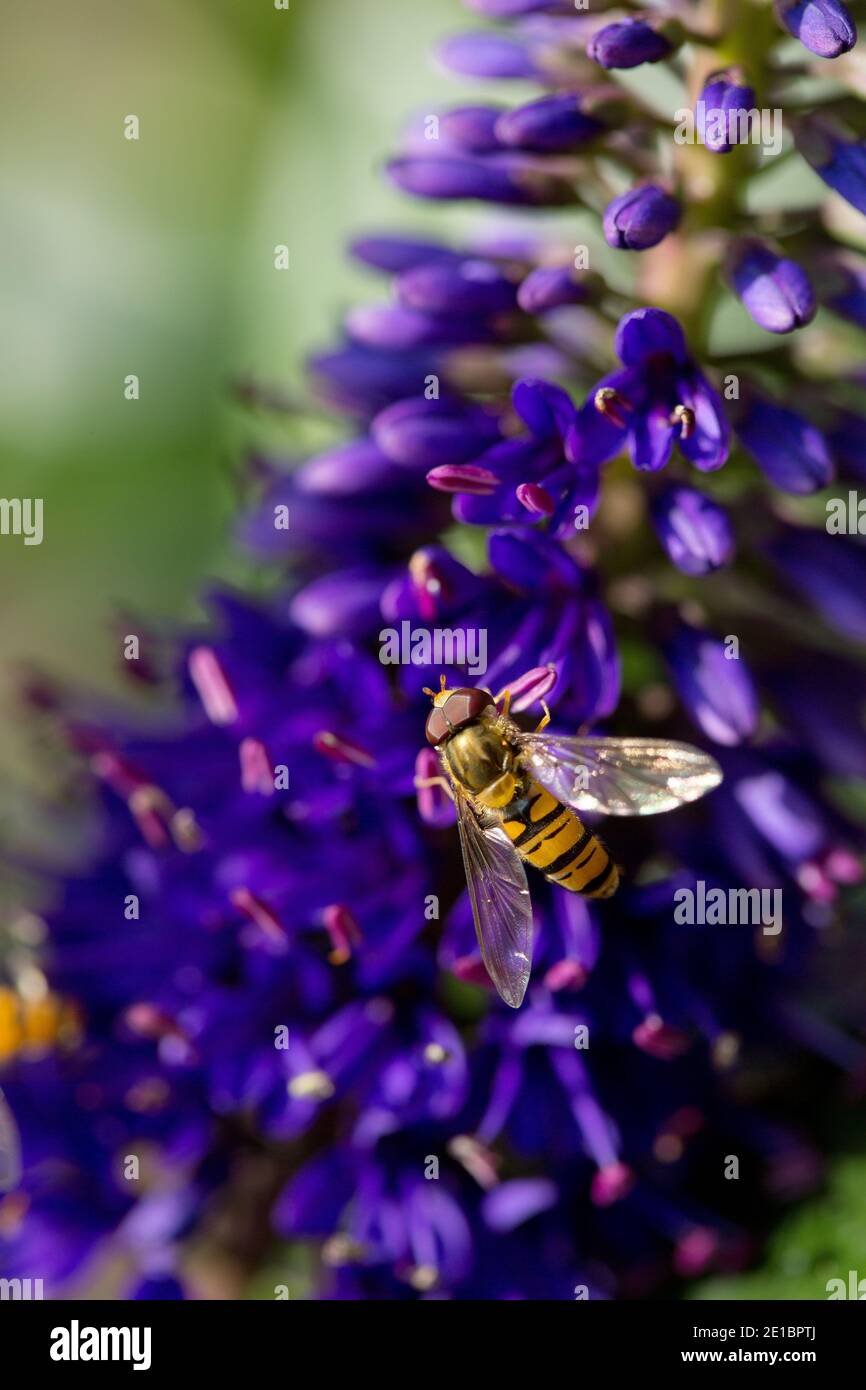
<point x="553" y="839"/>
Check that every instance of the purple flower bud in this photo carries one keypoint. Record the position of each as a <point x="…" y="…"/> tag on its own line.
<point x="790" y="450"/>
<point x="549" y="287"/>
<point x="830" y="571"/>
<point x="694" y="530"/>
<point x="398" y="328"/>
<point x="627" y="44"/>
<point x="717" y="690"/>
<point x="824" y="26"/>
<point x="506" y="178"/>
<point x="397" y="253"/>
<point x="461" y="287"/>
<point x="487" y="54"/>
<point x="777" y="292"/>
<point x="640" y="218"/>
<point x="342" y="601"/>
<point x="471" y="128"/>
<point x="426" y="433"/>
<point x="551" y="123"/>
<point x="721" y="111"/>
<point x="842" y="287"/>
<point x="359" y="380"/>
<point x="512" y="1203"/>
<point x="507" y="9"/>
<point x="839" y="159"/>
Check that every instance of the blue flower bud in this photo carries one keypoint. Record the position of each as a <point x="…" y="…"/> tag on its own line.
<point x="776" y="291"/>
<point x="716" y="688"/>
<point x="836" y="157"/>
<point x="694" y="530"/>
<point x="459" y="287"/>
<point x="824" y="27"/>
<point x="640" y="218"/>
<point x="487" y="54"/>
<point x="721" y="118"/>
<point x="790" y="450"/>
<point x="627" y="44"/>
<point x="550" y="124"/>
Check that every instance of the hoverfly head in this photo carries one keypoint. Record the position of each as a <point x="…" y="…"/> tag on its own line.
<point x="452" y="709"/>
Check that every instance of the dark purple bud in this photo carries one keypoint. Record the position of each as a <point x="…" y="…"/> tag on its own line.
<point x="640" y="218"/>
<point x="694" y="530"/>
<point x="550" y="124"/>
<point x="627" y="44"/>
<point x="830" y="572"/>
<point x="507" y="9"/>
<point x="361" y="380"/>
<point x="487" y="54"/>
<point x="776" y="291"/>
<point x="715" y="686"/>
<point x="842" y="287"/>
<point x="461" y="287"/>
<point x="848" y="442"/>
<point x="549" y="287"/>
<point x="506" y="178"/>
<point x="427" y="433"/>
<point x="346" y="601"/>
<point x="721" y="113"/>
<point x="394" y="254"/>
<point x="836" y="156"/>
<point x="790" y="450"/>
<point x="823" y="26"/>
<point x="397" y="328"/>
<point x="471" y="128"/>
<point x="546" y="410"/>
<point x="646" y="333"/>
<point x="463" y="477"/>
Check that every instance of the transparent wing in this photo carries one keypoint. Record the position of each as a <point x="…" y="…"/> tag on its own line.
<point x="10" y="1149"/>
<point x="619" y="776"/>
<point x="500" y="900"/>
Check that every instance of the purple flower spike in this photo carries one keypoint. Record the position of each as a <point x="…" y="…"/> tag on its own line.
<point x="640" y="218"/>
<point x="627" y="44"/>
<point x="722" y="111"/>
<point x="716" y="689"/>
<point x="553" y="123"/>
<point x="694" y="530"/>
<point x="825" y="27"/>
<point x="777" y="292"/>
<point x="790" y="450"/>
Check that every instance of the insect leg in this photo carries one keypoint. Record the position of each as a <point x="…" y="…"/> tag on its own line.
<point x="546" y="718"/>
<point x="434" y="782"/>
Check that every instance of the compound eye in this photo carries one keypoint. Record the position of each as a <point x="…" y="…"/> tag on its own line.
<point x="437" y="727"/>
<point x="464" y="705"/>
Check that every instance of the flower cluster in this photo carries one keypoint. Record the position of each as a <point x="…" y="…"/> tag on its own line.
<point x="287" y="1031"/>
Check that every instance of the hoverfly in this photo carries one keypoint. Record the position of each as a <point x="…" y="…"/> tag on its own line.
<point x="28" y="1027"/>
<point x="516" y="795"/>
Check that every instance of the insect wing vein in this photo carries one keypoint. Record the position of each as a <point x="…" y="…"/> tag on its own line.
<point x="619" y="776"/>
<point x="501" y="905"/>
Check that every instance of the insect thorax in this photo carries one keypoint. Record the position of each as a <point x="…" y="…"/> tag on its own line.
<point x="482" y="760"/>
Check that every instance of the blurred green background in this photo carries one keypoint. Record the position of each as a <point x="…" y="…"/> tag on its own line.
<point x="156" y="257"/>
